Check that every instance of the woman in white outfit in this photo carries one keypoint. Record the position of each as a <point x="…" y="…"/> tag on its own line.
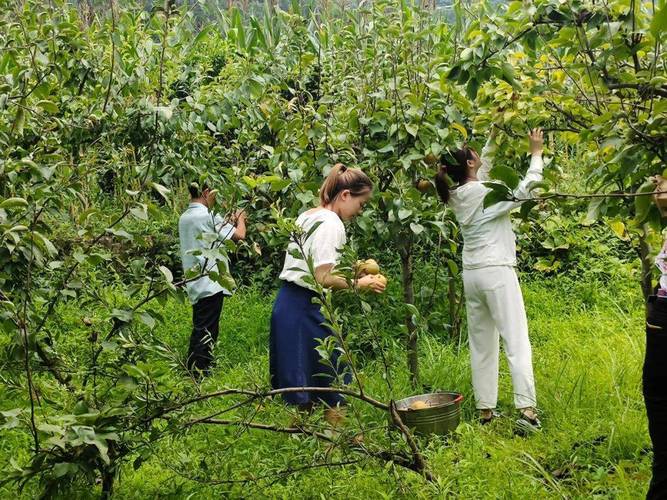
<point x="494" y="302"/>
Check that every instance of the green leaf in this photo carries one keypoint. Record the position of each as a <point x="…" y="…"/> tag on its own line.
<point x="14" y="203"/>
<point x="124" y="315"/>
<point x="505" y="174"/>
<point x="45" y="244"/>
<point x="659" y="22"/>
<point x="538" y="185"/>
<point x="416" y="228"/>
<point x="526" y="208"/>
<point x="547" y="265"/>
<point x="531" y="39"/>
<point x="593" y="213"/>
<point x="643" y="203"/>
<point x="493" y="197"/>
<point x="404" y="213"/>
<point x="146" y="319"/>
<point x="19" y="122"/>
<point x="140" y="211"/>
<point x="461" y="129"/>
<point x="498" y="193"/>
<point x="121" y="233"/>
<point x="618" y="228"/>
<point x="202" y="34"/>
<point x="164" y="113"/>
<point x="413" y="310"/>
<point x="454" y="73"/>
<point x="508" y="73"/>
<point x="251" y="183"/>
<point x="48" y="106"/>
<point x="472" y="88"/>
<point x="167" y="274"/>
<point x="412" y="129"/>
<point x="163" y="191"/>
<point x="64" y="468"/>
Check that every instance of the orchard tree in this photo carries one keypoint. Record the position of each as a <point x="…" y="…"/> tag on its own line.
<point x="594" y="75"/>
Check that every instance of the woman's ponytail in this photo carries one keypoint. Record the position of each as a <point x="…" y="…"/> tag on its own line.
<point x="442" y="183"/>
<point x="453" y="169"/>
<point x="340" y="178"/>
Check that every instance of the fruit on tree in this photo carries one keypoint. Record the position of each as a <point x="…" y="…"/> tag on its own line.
<point x="430" y="159"/>
<point x="423" y="185"/>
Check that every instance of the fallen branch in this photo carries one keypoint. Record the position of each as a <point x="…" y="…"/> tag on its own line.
<point x="384" y="455"/>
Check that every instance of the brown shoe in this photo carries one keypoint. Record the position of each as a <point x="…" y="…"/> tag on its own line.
<point x="487" y="416"/>
<point x="335" y="416"/>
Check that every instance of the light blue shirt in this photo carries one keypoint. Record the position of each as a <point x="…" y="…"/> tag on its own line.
<point x="194" y="222"/>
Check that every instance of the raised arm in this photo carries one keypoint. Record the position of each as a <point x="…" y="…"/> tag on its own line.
<point x="240" y="231"/>
<point x="227" y="230"/>
<point x="534" y="174"/>
<point x="488" y="152"/>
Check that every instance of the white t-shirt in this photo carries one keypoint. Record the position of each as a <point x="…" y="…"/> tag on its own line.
<point x="195" y="221"/>
<point x="323" y="245"/>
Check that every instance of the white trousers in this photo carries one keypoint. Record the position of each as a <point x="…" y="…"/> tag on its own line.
<point x="495" y="307"/>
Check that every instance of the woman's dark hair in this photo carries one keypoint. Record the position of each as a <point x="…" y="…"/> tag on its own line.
<point x="454" y="166"/>
<point x="196" y="189"/>
<point x="341" y="178"/>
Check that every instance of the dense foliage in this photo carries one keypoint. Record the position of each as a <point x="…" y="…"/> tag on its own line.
<point x="105" y="116"/>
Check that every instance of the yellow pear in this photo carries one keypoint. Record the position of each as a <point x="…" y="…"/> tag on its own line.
<point x="381" y="278"/>
<point x="369" y="266"/>
<point x="419" y="405"/>
<point x="423" y="185"/>
<point x="430" y="159"/>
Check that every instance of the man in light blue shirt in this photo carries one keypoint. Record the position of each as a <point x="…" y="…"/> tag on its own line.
<point x="201" y="233"/>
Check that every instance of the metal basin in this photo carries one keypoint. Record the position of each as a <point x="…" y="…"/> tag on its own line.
<point x="441" y="415"/>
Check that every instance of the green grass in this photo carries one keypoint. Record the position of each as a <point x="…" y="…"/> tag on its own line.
<point x="588" y="347"/>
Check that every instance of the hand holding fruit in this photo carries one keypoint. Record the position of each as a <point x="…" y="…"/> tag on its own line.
<point x="240" y="215"/>
<point x="364" y="267"/>
<point x="369" y="276"/>
<point x="374" y="282"/>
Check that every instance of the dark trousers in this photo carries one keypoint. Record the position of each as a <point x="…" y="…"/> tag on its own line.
<point x="655" y="393"/>
<point x="205" y="328"/>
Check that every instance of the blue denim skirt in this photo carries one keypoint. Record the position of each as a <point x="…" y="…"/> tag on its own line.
<point x="297" y="326"/>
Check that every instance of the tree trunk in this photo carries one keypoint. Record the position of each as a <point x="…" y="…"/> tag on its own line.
<point x="647" y="264"/>
<point x="409" y="298"/>
<point x="107" y="484"/>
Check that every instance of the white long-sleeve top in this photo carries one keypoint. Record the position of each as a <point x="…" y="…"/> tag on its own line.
<point x="488" y="238"/>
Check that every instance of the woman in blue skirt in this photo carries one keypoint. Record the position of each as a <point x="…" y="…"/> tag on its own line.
<point x="297" y="325"/>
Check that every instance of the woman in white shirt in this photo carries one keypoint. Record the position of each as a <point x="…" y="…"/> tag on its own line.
<point x="297" y="325"/>
<point x="494" y="303"/>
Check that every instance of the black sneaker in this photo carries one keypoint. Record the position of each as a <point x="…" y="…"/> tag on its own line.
<point x="527" y="425"/>
<point x="494" y="414"/>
